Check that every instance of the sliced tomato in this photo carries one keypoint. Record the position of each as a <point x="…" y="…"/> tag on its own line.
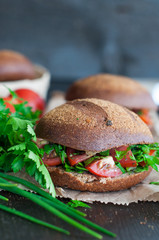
<point x="74" y="159"/>
<point x="9" y="102"/>
<point x="142" y="164"/>
<point x="152" y="152"/>
<point x="126" y="161"/>
<point x="146" y="119"/>
<point x="33" y="99"/>
<point x="100" y="168"/>
<point x="144" y="115"/>
<point x="52" y="161"/>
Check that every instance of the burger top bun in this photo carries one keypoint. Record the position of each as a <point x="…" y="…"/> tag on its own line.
<point x="93" y="125"/>
<point x="118" y="89"/>
<point x="14" y="66"/>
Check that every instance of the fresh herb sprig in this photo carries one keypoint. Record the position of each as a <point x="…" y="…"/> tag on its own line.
<point x="77" y="203"/>
<point x="141" y="154"/>
<point x="18" y="149"/>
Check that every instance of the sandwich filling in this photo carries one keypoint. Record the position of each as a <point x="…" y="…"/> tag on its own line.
<point x="109" y="163"/>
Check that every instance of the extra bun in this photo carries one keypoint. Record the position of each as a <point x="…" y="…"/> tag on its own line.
<point x="93" y="125"/>
<point x="92" y="183"/>
<point x="118" y="89"/>
<point x="14" y="66"/>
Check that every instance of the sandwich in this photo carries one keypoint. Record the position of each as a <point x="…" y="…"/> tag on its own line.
<point x="96" y="146"/>
<point x="118" y="89"/>
<point x="15" y="66"/>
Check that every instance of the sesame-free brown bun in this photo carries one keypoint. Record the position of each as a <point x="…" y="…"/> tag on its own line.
<point x="14" y="66"/>
<point x="118" y="89"/>
<point x="93" y="125"/>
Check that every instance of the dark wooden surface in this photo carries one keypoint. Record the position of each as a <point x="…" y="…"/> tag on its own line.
<point x="138" y="221"/>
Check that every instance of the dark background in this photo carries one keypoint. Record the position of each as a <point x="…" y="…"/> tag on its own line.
<point x="76" y="38"/>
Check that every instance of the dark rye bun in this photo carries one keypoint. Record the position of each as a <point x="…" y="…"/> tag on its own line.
<point x="118" y="89"/>
<point x="92" y="183"/>
<point x="93" y="125"/>
<point x="14" y="66"/>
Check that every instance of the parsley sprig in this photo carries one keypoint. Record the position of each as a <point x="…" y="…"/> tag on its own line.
<point x="17" y="144"/>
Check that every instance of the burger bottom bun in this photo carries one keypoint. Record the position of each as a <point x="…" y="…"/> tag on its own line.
<point x="92" y="183"/>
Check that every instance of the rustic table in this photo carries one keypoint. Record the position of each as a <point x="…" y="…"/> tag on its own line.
<point x="138" y="221"/>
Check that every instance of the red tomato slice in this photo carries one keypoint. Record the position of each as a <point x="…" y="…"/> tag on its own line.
<point x="142" y="164"/>
<point x="74" y="159"/>
<point x="144" y="115"/>
<point x="126" y="161"/>
<point x="152" y="152"/>
<point x="33" y="99"/>
<point x="100" y="168"/>
<point x="9" y="103"/>
<point x="52" y="161"/>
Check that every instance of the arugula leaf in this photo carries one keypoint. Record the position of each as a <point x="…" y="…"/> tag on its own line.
<point x="79" y="168"/>
<point x="120" y="167"/>
<point x="141" y="154"/>
<point x="105" y="153"/>
<point x="120" y="154"/>
<point x="60" y="151"/>
<point x="76" y="203"/>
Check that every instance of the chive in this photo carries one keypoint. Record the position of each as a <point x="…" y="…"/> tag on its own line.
<point x="3" y="198"/>
<point x="8" y="185"/>
<point x="155" y="183"/>
<point x="39" y="191"/>
<point x="57" y="204"/>
<point x="51" y="209"/>
<point x="84" y="220"/>
<point x="32" y="219"/>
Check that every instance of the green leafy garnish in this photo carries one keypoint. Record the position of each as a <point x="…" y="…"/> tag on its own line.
<point x="120" y="154"/>
<point x="79" y="168"/>
<point x="155" y="183"/>
<point x="76" y="203"/>
<point x="120" y="167"/>
<point x="104" y="153"/>
<point x="17" y="146"/>
<point x="139" y="112"/>
<point x="141" y="154"/>
<point x="60" y="151"/>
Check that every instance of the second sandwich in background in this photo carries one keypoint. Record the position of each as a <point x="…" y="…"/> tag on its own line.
<point x="118" y="89"/>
